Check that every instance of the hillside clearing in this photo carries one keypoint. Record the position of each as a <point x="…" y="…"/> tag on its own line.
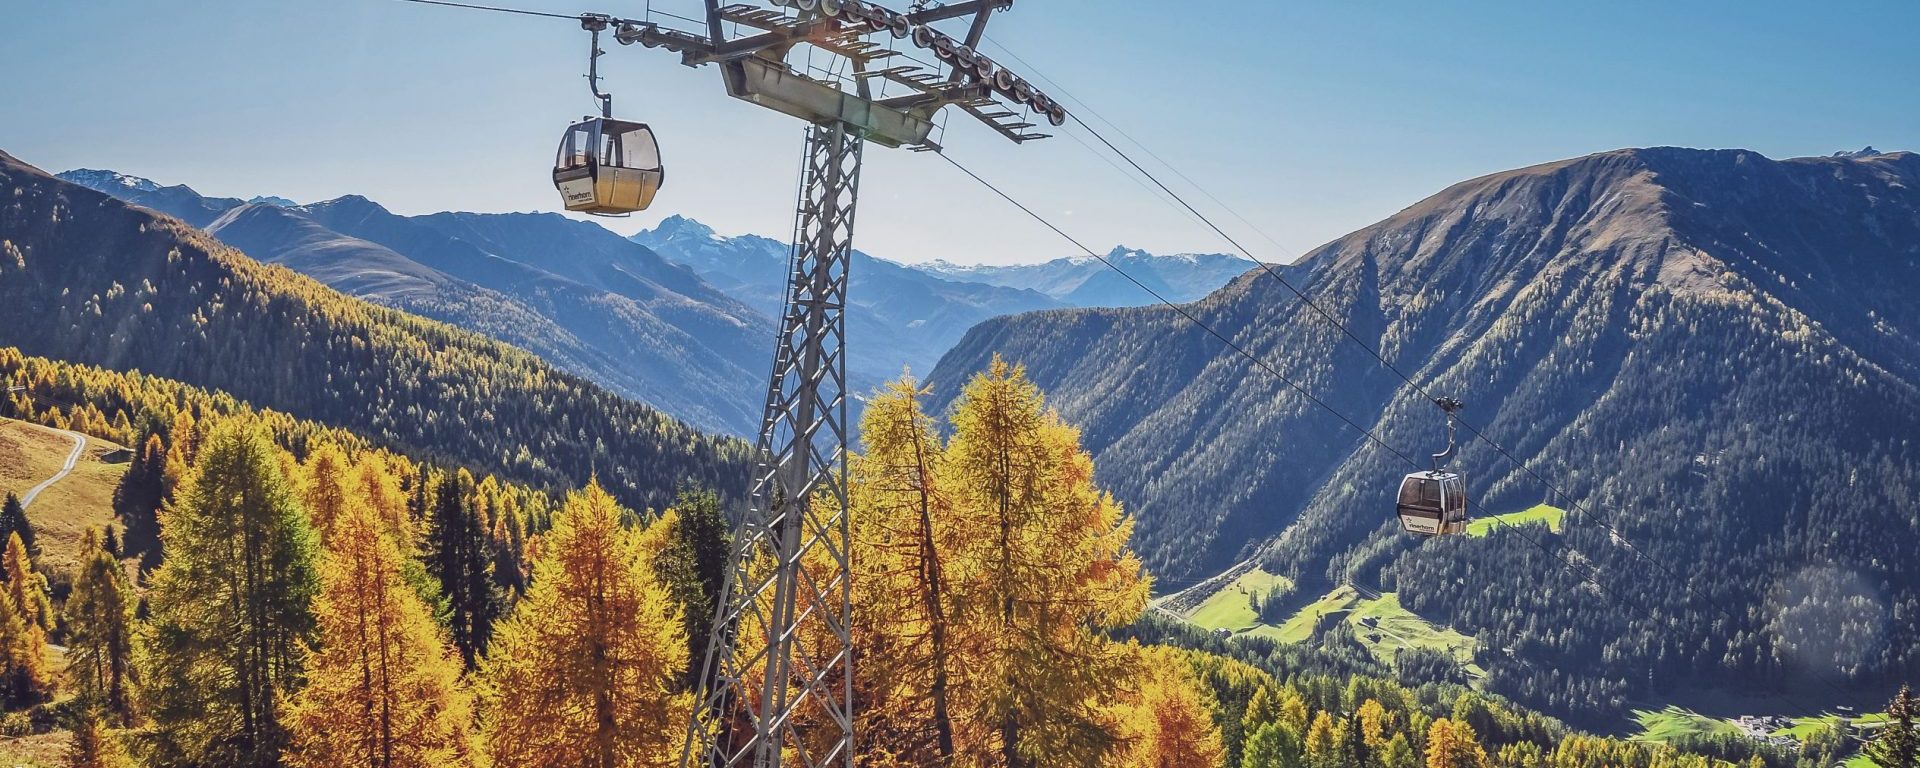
<point x="1378" y="621"/>
<point x="29" y="454"/>
<point x="1299" y="627"/>
<point x="1553" y="516"/>
<point x="1231" y="607"/>
<point x="1664" y="725"/>
<point x="1386" y="628"/>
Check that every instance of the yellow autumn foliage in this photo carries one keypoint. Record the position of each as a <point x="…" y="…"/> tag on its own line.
<point x="586" y="670"/>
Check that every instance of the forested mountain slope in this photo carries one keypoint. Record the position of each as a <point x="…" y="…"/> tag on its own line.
<point x="1713" y="352"/>
<point x="899" y="316"/>
<point x="583" y="298"/>
<point x="88" y="278"/>
<point x="1227" y="706"/>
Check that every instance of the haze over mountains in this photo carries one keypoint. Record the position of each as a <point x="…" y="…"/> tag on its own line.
<point x="573" y="293"/>
<point x="899" y="316"/>
<point x="1717" y="355"/>
<point x="1082" y="281"/>
<point x="678" y="317"/>
<point x="87" y="278"/>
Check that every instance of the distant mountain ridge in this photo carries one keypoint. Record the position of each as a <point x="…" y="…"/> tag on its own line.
<point x="572" y="292"/>
<point x="1715" y="352"/>
<point x="1082" y="281"/>
<point x="89" y="278"/>
<point x="899" y="317"/>
<point x="675" y="316"/>
<point x="912" y="313"/>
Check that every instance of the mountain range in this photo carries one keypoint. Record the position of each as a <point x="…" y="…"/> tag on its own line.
<point x="1711" y="358"/>
<point x="88" y="278"/>
<point x="898" y="316"/>
<point x="1083" y="281"/>
<point x="571" y="292"/>
<point x="676" y="316"/>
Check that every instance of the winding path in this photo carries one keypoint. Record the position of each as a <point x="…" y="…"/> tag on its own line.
<point x="79" y="446"/>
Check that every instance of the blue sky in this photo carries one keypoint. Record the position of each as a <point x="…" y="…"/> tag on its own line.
<point x="1311" y="119"/>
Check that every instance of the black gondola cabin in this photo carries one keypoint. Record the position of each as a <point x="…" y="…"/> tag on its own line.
<point x="608" y="167"/>
<point x="1433" y="503"/>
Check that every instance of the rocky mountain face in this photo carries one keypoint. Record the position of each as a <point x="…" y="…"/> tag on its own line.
<point x="577" y="295"/>
<point x="1085" y="282"/>
<point x="900" y="317"/>
<point x="1715" y="355"/>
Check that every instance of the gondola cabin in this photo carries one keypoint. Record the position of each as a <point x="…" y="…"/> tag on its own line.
<point x="1433" y="503"/>
<point x="608" y="167"/>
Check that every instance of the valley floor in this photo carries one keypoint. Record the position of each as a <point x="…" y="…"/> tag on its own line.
<point x="1378" y="620"/>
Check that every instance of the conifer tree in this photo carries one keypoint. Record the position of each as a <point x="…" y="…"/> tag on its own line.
<point x="1170" y="724"/>
<point x="1272" y="746"/>
<point x="693" y="567"/>
<point x="1399" y="753"/>
<point x="586" y="670"/>
<point x="1043" y="566"/>
<point x="25" y="678"/>
<point x="1293" y="711"/>
<point x="1263" y="707"/>
<point x="1898" y="743"/>
<point x="13" y="522"/>
<point x="384" y="689"/>
<point x="26" y="587"/>
<point x="375" y="479"/>
<point x="385" y="482"/>
<point x="231" y="607"/>
<point x="100" y="635"/>
<point x="138" y="498"/>
<point x="1354" y="751"/>
<point x="93" y="745"/>
<point x="324" y="486"/>
<point x="1374" y="722"/>
<point x="183" y="447"/>
<point x="494" y="507"/>
<point x="1323" y="742"/>
<point x="903" y="612"/>
<point x="1454" y="745"/>
<point x="459" y="558"/>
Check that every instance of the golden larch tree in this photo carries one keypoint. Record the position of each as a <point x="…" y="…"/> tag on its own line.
<point x="1454" y="745"/>
<point x="25" y="676"/>
<point x="323" y="486"/>
<point x="377" y="481"/>
<point x="26" y="586"/>
<point x="384" y="689"/>
<point x="1168" y="723"/>
<point x="1041" y="567"/>
<point x="100" y="616"/>
<point x="1323" y="742"/>
<point x="93" y="745"/>
<point x="586" y="670"/>
<point x="903" y="623"/>
<point x="1375" y="723"/>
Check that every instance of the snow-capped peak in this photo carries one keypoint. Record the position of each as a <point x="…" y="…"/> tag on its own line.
<point x="95" y="178"/>
<point x="681" y="227"/>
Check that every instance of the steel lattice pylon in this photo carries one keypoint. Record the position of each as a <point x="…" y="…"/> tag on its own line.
<point x="778" y="674"/>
